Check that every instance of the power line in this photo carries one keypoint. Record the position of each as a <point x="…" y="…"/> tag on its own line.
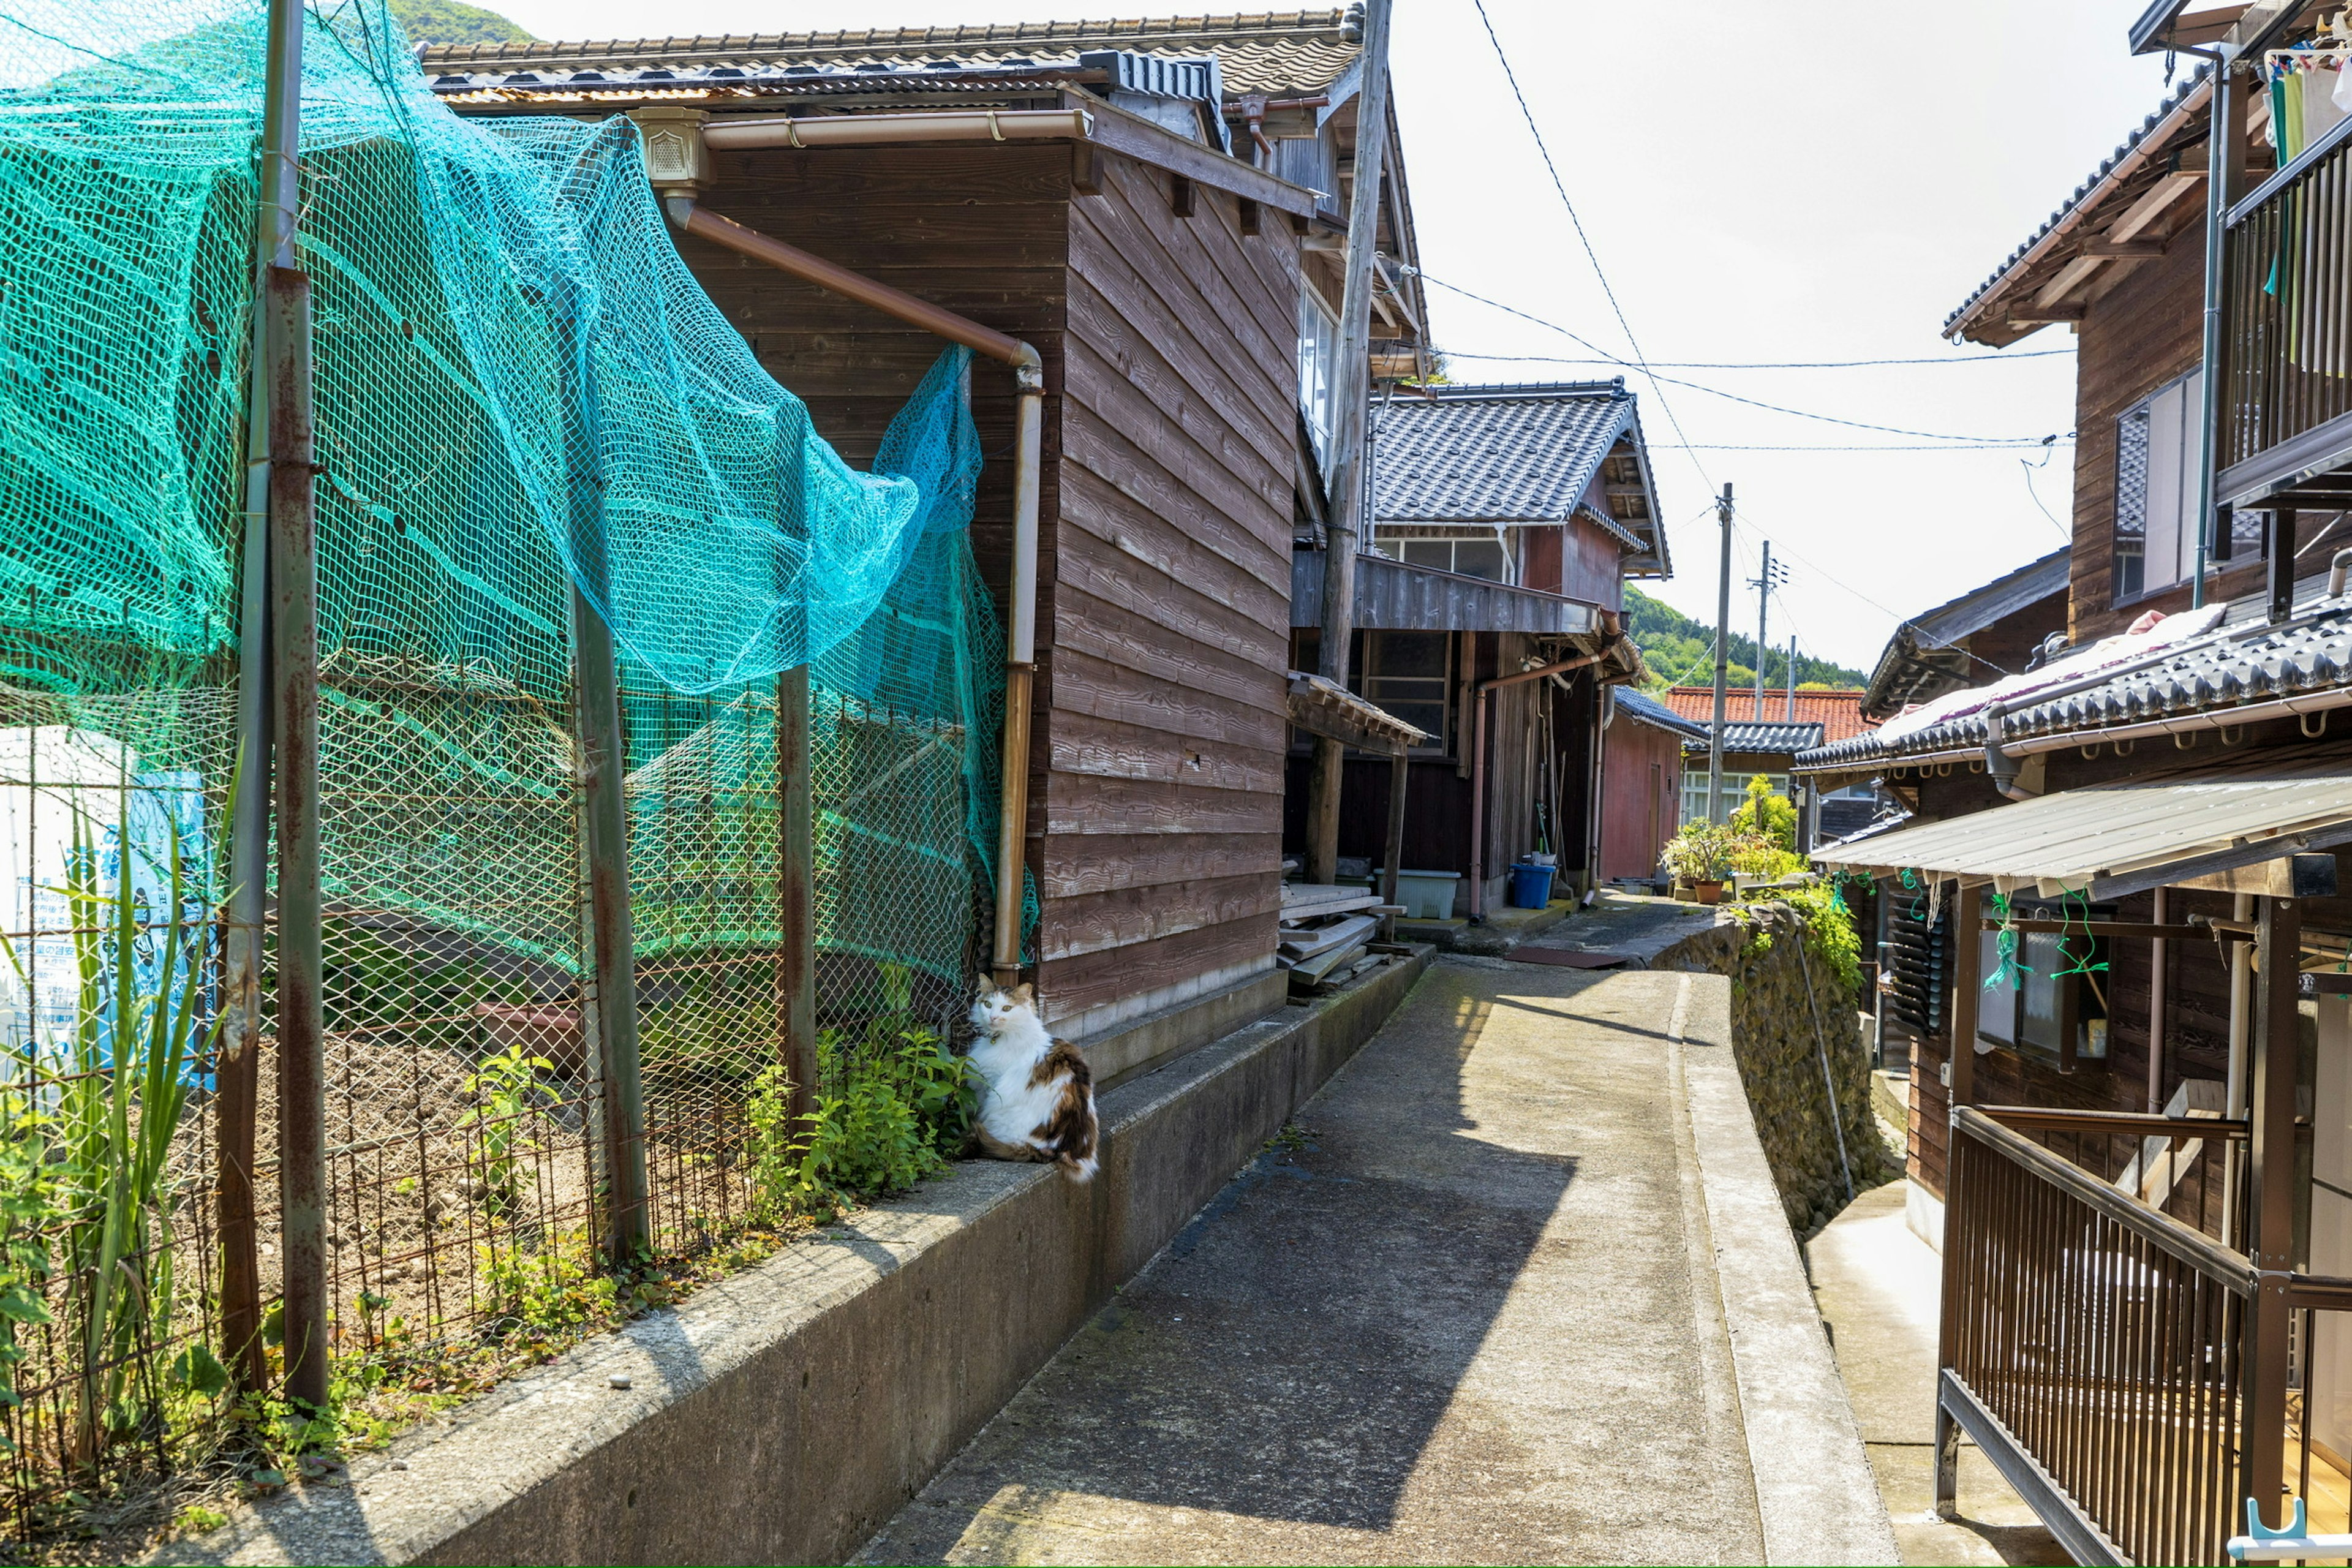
<point x="1645" y="369"/>
<point x="1885" y="447"/>
<point x="1760" y="364"/>
<point x="1577" y="223"/>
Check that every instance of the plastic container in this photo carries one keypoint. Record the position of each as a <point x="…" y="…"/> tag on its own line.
<point x="1427" y="895"/>
<point x="1530" y="885"/>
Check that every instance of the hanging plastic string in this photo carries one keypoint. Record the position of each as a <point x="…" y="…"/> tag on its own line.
<point x="2007" y="971"/>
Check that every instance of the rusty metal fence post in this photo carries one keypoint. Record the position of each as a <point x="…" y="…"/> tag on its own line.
<point x="294" y="635"/>
<point x="795" y="843"/>
<point x="611" y="936"/>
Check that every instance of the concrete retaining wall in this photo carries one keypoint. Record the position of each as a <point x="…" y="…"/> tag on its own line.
<point x="1779" y="1054"/>
<point x="783" y="1414"/>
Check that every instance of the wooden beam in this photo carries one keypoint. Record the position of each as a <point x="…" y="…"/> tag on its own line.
<point x="2123" y="250"/>
<point x="2276" y="1045"/>
<point x="2070" y="277"/>
<point x="1965" y="988"/>
<point x="2288" y="876"/>
<point x="2159" y="199"/>
<point x="1086" y="169"/>
<point x="1116" y="129"/>
<point x="1249" y="210"/>
<point x="1179" y="194"/>
<point x="2045" y="318"/>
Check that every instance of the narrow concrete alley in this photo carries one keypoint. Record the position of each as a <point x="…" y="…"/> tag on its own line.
<point x="1515" y="1287"/>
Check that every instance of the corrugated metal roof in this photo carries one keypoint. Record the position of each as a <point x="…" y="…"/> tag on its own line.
<point x="1494" y="456"/>
<point x="2243" y="659"/>
<point x="1775" y="738"/>
<point x="1279" y="53"/>
<point x="2113" y="839"/>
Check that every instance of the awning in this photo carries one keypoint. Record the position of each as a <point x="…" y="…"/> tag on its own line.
<point x="2109" y="841"/>
<point x="1322" y="707"/>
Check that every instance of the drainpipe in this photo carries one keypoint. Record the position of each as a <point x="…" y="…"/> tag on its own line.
<point x="2224" y="156"/>
<point x="1478" y="695"/>
<point x="1021" y="631"/>
<point x="2000" y="766"/>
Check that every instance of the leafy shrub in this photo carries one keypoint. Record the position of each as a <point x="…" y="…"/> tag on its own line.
<point x="1830" y="938"/>
<point x="1763" y="815"/>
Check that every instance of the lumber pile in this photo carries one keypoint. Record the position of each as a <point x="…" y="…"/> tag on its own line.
<point x="1328" y="934"/>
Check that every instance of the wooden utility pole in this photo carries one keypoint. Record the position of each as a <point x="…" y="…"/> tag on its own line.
<point x="1763" y="609"/>
<point x="1353" y="386"/>
<point x="1792" y="677"/>
<point x="1722" y="660"/>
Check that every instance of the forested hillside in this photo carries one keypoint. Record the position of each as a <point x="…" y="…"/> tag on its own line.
<point x="1680" y="651"/>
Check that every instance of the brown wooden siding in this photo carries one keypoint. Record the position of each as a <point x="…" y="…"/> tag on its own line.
<point x="1641" y="796"/>
<point x="1594" y="567"/>
<point x="1159" y="782"/>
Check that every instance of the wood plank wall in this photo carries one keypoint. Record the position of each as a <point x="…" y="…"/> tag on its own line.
<point x="1157" y="781"/>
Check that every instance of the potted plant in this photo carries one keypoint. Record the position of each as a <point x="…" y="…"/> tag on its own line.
<point x="1702" y="854"/>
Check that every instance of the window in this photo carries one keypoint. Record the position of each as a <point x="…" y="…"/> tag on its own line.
<point x="1410" y="675"/>
<point x="2028" y="1006"/>
<point x="1470" y="557"/>
<point x="1735" y="788"/>
<point x="1318" y="349"/>
<point x="2156" y="493"/>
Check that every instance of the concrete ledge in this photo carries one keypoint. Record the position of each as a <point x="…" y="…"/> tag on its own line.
<point x="1814" y="1491"/>
<point x="1156" y="1038"/>
<point x="784" y="1415"/>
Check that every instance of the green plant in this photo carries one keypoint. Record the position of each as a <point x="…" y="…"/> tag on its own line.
<point x="1766" y="816"/>
<point x="119" y="1104"/>
<point x="1703" y="852"/>
<point x="1831" y="937"/>
<point x="509" y="1090"/>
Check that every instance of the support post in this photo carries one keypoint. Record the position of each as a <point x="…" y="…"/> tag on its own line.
<point x="2159" y="951"/>
<point x="294" y="631"/>
<point x="2225" y="158"/>
<point x="2282" y="563"/>
<point x="796" y="976"/>
<point x="2278" y="943"/>
<point x="612" y="938"/>
<point x="1399" y="771"/>
<point x="1351" y="380"/>
<point x="237" y="1071"/>
<point x="1968" y="951"/>
<point x="1715" y="811"/>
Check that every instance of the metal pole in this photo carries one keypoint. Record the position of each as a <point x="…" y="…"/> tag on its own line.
<point x="1722" y="660"/>
<point x="612" y="938"/>
<point x="1352" y="377"/>
<point x="2225" y="156"/>
<point x="294" y="633"/>
<point x="238" y="1073"/>
<point x="795" y="843"/>
<point x="1399" y="771"/>
<point x="1763" y="643"/>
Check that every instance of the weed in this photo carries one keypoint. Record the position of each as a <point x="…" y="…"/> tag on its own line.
<point x="509" y="1090"/>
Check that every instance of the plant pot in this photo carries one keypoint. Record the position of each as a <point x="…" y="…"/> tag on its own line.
<point x="1707" y="892"/>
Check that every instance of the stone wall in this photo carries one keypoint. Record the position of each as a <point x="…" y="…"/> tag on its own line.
<point x="1774" y="1037"/>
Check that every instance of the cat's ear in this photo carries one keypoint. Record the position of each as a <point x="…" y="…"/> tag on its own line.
<point x="1024" y="994"/>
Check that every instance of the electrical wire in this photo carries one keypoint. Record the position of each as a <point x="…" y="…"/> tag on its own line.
<point x="1758" y="364"/>
<point x="1504" y="59"/>
<point x="1977" y="442"/>
<point x="1882" y="447"/>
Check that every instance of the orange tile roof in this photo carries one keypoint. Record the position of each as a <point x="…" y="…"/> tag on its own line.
<point x="1839" y="713"/>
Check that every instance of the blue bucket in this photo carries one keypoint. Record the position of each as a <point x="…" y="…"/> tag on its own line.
<point x="1530" y="885"/>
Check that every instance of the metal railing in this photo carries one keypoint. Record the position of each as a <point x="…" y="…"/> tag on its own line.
<point x="2092" y="1345"/>
<point x="2287" y="330"/>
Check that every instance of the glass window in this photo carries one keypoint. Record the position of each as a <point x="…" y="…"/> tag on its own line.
<point x="2155" y="489"/>
<point x="1410" y="674"/>
<point x="1470" y="557"/>
<point x="1318" y="347"/>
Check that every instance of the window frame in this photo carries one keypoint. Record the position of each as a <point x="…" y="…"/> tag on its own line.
<point x="2073" y="1007"/>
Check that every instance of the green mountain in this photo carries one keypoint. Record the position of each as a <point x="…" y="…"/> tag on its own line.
<point x="1681" y="652"/>
<point x="450" y="22"/>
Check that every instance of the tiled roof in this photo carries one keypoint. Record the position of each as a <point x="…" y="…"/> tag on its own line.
<point x="1838" y="713"/>
<point x="1649" y="711"/>
<point x="1279" y="53"/>
<point x="1496" y="455"/>
<point x="2177" y="101"/>
<point x="2244" y="660"/>
<point x="1783" y="738"/>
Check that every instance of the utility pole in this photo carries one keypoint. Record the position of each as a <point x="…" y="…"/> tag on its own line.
<point x="1354" y="393"/>
<point x="1792" y="677"/>
<point x="1763" y="644"/>
<point x="1722" y="660"/>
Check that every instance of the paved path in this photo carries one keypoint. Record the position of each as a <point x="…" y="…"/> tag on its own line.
<point x="1470" y="1311"/>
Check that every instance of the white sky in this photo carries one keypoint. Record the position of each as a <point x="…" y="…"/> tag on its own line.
<point x="1767" y="181"/>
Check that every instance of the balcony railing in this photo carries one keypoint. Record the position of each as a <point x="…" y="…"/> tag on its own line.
<point x="2287" y="327"/>
<point x="2093" y="1347"/>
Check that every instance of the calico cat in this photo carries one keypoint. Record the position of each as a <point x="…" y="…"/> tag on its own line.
<point x="1037" y="1099"/>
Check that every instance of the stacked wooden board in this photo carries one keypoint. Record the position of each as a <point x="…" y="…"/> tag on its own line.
<point x="1327" y="935"/>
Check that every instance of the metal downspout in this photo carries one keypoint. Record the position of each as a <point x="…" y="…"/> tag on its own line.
<point x="2219" y="182"/>
<point x="1021" y="610"/>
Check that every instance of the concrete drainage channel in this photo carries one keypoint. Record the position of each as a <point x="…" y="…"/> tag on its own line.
<point x="784" y="1415"/>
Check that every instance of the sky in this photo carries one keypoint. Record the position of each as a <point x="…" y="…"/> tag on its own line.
<point x="1761" y="183"/>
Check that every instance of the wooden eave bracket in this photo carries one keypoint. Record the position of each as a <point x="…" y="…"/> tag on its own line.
<point x="1120" y="131"/>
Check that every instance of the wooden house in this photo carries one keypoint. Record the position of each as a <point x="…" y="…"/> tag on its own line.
<point x="1642" y="761"/>
<point x="1142" y="204"/>
<point x="1997" y="629"/>
<point x="1763" y="737"/>
<point x="1503" y="523"/>
<point x="2117" y="932"/>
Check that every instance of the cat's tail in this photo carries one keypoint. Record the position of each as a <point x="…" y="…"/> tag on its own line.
<point x="1078" y="1168"/>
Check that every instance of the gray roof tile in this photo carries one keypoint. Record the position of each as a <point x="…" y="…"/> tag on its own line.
<point x="1753" y="737"/>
